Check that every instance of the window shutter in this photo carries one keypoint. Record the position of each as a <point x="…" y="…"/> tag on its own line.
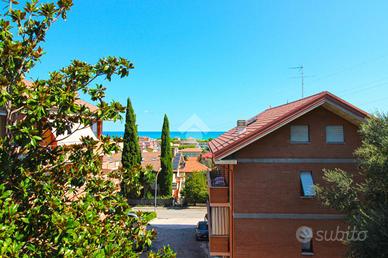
<point x="335" y="134"/>
<point x="299" y="133"/>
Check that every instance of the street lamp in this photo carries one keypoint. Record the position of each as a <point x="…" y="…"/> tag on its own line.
<point x="156" y="188"/>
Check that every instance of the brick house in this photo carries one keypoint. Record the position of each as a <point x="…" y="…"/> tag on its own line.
<point x="261" y="190"/>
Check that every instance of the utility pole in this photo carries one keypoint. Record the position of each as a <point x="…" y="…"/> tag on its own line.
<point x="301" y="71"/>
<point x="156" y="189"/>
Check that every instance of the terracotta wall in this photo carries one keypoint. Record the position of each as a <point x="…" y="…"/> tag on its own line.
<point x="276" y="187"/>
<point x="276" y="239"/>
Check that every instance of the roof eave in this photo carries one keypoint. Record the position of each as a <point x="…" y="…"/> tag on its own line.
<point x="243" y="142"/>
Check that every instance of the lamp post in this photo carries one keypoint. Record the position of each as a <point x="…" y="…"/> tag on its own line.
<point x="156" y="188"/>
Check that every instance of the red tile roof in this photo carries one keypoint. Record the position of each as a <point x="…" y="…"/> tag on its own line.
<point x="191" y="150"/>
<point x="271" y="118"/>
<point x="91" y="107"/>
<point x="152" y="159"/>
<point x="193" y="165"/>
<point x="207" y="155"/>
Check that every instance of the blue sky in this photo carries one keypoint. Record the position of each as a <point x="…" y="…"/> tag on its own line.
<point x="225" y="60"/>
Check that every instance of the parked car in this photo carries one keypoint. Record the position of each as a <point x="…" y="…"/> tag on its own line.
<point x="202" y="231"/>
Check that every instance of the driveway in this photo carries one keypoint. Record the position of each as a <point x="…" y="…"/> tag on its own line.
<point x="176" y="227"/>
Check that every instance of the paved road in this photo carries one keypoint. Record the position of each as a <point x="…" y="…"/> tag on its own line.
<point x="176" y="227"/>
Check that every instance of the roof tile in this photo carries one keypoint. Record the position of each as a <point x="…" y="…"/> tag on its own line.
<point x="271" y="117"/>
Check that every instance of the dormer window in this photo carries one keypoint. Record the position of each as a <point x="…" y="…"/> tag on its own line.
<point x="300" y="134"/>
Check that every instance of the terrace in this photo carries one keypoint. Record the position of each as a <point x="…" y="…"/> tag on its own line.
<point x="218" y="183"/>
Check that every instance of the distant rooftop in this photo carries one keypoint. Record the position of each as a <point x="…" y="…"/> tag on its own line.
<point x="193" y="165"/>
<point x="190" y="150"/>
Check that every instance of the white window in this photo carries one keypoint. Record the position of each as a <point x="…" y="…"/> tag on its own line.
<point x="335" y="134"/>
<point x="300" y="134"/>
<point x="307" y="184"/>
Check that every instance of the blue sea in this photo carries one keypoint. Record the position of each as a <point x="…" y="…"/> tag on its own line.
<point x="173" y="134"/>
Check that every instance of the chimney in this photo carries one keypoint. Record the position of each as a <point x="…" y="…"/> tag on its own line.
<point x="241" y="126"/>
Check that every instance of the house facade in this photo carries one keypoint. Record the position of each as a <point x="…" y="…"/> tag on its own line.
<point x="261" y="193"/>
<point x="78" y="131"/>
<point x="183" y="166"/>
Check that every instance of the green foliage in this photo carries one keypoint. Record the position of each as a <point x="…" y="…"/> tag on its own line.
<point x="137" y="182"/>
<point x="165" y="177"/>
<point x="181" y="147"/>
<point x="195" y="190"/>
<point x="54" y="201"/>
<point x="175" y="140"/>
<point x="165" y="252"/>
<point x="131" y="155"/>
<point x="148" y="180"/>
<point x="365" y="201"/>
<point x="131" y="186"/>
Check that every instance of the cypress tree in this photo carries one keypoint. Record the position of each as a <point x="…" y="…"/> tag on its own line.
<point x="165" y="177"/>
<point x="131" y="155"/>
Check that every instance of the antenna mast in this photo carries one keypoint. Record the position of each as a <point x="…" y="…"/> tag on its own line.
<point x="301" y="71"/>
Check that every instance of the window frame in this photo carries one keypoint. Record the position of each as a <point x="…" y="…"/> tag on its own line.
<point x="343" y="134"/>
<point x="300" y="142"/>
<point x="302" y="190"/>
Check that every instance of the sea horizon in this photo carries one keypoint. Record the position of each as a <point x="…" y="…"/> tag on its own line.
<point x="173" y="134"/>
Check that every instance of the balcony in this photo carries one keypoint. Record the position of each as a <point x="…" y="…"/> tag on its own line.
<point x="219" y="245"/>
<point x="219" y="231"/>
<point x="218" y="187"/>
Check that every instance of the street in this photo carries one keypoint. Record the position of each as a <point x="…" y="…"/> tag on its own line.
<point x="176" y="227"/>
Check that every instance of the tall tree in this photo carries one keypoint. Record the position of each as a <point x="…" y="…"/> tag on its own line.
<point x="365" y="201"/>
<point x="165" y="177"/>
<point x="131" y="155"/>
<point x="54" y="200"/>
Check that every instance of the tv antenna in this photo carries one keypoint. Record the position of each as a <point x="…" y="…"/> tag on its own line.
<point x="301" y="71"/>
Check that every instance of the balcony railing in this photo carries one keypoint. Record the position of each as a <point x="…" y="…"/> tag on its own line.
<point x="218" y="231"/>
<point x="219" y="245"/>
<point x="218" y="187"/>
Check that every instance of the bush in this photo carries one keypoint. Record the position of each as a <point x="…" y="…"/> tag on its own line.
<point x="195" y="190"/>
